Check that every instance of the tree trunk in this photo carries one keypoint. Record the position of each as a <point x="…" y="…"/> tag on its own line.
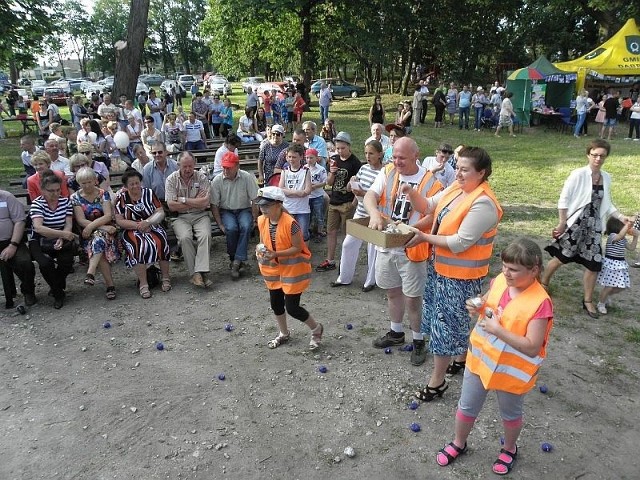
<point x="128" y="58"/>
<point x="305" y="46"/>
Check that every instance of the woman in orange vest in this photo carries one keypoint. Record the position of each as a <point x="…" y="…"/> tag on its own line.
<point x="466" y="215"/>
<point x="507" y="347"/>
<point x="285" y="265"/>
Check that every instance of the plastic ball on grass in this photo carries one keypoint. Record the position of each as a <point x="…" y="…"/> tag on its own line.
<point x="322" y="369"/>
<point x="349" y="326"/>
<point x="106" y="325"/>
<point x="546" y="447"/>
<point x="221" y="376"/>
<point x="415" y="427"/>
<point x="160" y="346"/>
<point x="228" y="327"/>
<point x="408" y="348"/>
<point x="543" y="389"/>
<point x="413" y="405"/>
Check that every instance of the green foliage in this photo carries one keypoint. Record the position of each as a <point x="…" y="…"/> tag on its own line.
<point x="109" y="24"/>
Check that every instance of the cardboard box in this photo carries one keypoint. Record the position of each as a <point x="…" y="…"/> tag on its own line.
<point x="359" y="228"/>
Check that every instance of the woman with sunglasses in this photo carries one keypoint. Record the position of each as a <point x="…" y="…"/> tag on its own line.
<point x="584" y="205"/>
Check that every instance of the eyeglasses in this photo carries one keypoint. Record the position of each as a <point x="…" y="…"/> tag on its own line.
<point x="159" y="152"/>
<point x="598" y="155"/>
<point x="277" y="134"/>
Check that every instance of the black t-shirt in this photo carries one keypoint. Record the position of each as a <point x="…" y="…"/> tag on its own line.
<point x="611" y="107"/>
<point x="346" y="169"/>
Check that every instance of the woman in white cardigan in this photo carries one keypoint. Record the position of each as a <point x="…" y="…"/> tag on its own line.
<point x="583" y="208"/>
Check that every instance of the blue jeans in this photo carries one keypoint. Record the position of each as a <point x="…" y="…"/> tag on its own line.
<point x="199" y="145"/>
<point x="317" y="212"/>
<point x="579" y="123"/>
<point x="479" y="112"/>
<point x="324" y="114"/>
<point x="237" y="225"/>
<point x="464" y="113"/>
<point x="303" y="220"/>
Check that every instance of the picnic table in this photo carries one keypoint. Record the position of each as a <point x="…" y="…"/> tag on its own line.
<point x="28" y="123"/>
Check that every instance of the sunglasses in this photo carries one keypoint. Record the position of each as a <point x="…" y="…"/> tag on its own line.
<point x="277" y="134"/>
<point x="160" y="152"/>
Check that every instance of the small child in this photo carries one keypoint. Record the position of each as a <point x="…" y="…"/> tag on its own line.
<point x="284" y="262"/>
<point x="316" y="198"/>
<point x="514" y="335"/>
<point x="295" y="183"/>
<point x="614" y="276"/>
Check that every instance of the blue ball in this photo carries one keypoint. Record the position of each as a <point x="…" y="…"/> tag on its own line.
<point x="408" y="348"/>
<point x="221" y="376"/>
<point x="388" y="350"/>
<point x="322" y="369"/>
<point x="160" y="346"/>
<point x="501" y="440"/>
<point x="415" y="427"/>
<point x="413" y="405"/>
<point x="546" y="447"/>
<point x="228" y="327"/>
<point x="543" y="389"/>
<point x="106" y="325"/>
<point x="349" y="326"/>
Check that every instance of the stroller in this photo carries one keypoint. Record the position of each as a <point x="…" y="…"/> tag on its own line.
<point x="489" y="118"/>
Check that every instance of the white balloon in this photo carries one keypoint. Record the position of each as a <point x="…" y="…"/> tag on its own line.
<point x="121" y="139"/>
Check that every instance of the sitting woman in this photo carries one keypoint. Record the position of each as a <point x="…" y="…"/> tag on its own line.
<point x="77" y="162"/>
<point x="139" y="213"/>
<point x="247" y="127"/>
<point x="41" y="162"/>
<point x="151" y="133"/>
<point x="51" y="241"/>
<point x="261" y="122"/>
<point x="329" y="131"/>
<point x="92" y="211"/>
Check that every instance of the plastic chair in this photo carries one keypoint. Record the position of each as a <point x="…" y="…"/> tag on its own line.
<point x="566" y="119"/>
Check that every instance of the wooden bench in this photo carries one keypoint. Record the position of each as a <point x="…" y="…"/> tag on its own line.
<point x="28" y="123"/>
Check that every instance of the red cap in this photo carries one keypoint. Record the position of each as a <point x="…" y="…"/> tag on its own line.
<point x="230" y="160"/>
<point x="311" y="151"/>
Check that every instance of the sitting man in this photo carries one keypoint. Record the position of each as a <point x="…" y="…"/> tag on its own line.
<point x="14" y="255"/>
<point x="439" y="166"/>
<point x="187" y="193"/>
<point x="315" y="141"/>
<point x="376" y="134"/>
<point x="232" y="194"/>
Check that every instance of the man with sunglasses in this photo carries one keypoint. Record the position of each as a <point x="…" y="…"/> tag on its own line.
<point x="156" y="172"/>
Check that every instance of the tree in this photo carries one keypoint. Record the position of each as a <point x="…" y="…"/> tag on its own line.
<point x="109" y="22"/>
<point x="129" y="54"/>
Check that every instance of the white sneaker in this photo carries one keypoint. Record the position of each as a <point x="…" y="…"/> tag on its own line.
<point x="602" y="308"/>
<point x="636" y="139"/>
<point x="627" y="138"/>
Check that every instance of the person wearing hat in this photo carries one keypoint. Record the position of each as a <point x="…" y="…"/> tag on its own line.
<point x="479" y="101"/>
<point x="285" y="264"/>
<point x="343" y="166"/>
<point x="187" y="194"/>
<point x="270" y="153"/>
<point x="439" y="165"/>
<point x="232" y="194"/>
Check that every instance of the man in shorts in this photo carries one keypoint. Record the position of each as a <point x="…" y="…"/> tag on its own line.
<point x="342" y="167"/>
<point x="611" y="106"/>
<point x="402" y="272"/>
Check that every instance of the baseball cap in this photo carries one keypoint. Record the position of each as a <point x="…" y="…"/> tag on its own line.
<point x="311" y="151"/>
<point x="343" y="137"/>
<point x="267" y="195"/>
<point x="230" y="160"/>
<point x="479" y="89"/>
<point x="277" y="128"/>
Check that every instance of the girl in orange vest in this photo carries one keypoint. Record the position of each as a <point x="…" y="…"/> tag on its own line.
<point x="284" y="261"/>
<point x="507" y="347"/>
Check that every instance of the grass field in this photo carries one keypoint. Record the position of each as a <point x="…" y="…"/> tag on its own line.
<point x="528" y="170"/>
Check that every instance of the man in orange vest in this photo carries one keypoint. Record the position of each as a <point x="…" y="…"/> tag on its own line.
<point x="402" y="272"/>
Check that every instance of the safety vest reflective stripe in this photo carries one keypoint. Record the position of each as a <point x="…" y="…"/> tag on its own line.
<point x="473" y="263"/>
<point x="291" y="274"/>
<point x="498" y="364"/>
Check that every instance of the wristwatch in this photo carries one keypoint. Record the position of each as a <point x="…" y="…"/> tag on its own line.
<point x="15" y="244"/>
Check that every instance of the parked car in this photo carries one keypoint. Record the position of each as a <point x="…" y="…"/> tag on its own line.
<point x="90" y="89"/>
<point x="252" y="82"/>
<point x="38" y="86"/>
<point x="279" y="87"/>
<point x="142" y="88"/>
<point x="219" y="84"/>
<point x="24" y="82"/>
<point x="63" y="84"/>
<point x="292" y="79"/>
<point x="57" y="95"/>
<point x="186" y="81"/>
<point x="166" y="84"/>
<point x="151" y="79"/>
<point x="339" y="88"/>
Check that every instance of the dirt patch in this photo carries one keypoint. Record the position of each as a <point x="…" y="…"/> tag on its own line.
<point x="80" y="401"/>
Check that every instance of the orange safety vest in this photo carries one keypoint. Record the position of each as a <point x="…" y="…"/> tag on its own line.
<point x="499" y="365"/>
<point x="291" y="274"/>
<point x="428" y="187"/>
<point x="473" y="263"/>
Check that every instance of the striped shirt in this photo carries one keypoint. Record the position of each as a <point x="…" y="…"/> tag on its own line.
<point x="192" y="130"/>
<point x="54" y="219"/>
<point x="365" y="177"/>
<point x="615" y="250"/>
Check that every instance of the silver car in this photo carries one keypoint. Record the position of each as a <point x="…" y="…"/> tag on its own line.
<point x="219" y="84"/>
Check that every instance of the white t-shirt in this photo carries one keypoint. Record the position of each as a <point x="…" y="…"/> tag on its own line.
<point x="446" y="176"/>
<point x="192" y="130"/>
<point x="384" y="140"/>
<point x="295" y="181"/>
<point x="402" y="207"/>
<point x="318" y="175"/>
<point x="217" y="161"/>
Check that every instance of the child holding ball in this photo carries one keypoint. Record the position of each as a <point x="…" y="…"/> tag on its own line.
<point x="506" y="348"/>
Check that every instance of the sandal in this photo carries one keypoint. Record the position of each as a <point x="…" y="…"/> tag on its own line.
<point x="145" y="292"/>
<point x="429" y="393"/>
<point x="90" y="280"/>
<point x="504" y="462"/>
<point x="279" y="340"/>
<point x="166" y="284"/>
<point x="455" y="367"/>
<point x="316" y="338"/>
<point x="111" y="293"/>
<point x="449" y="453"/>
